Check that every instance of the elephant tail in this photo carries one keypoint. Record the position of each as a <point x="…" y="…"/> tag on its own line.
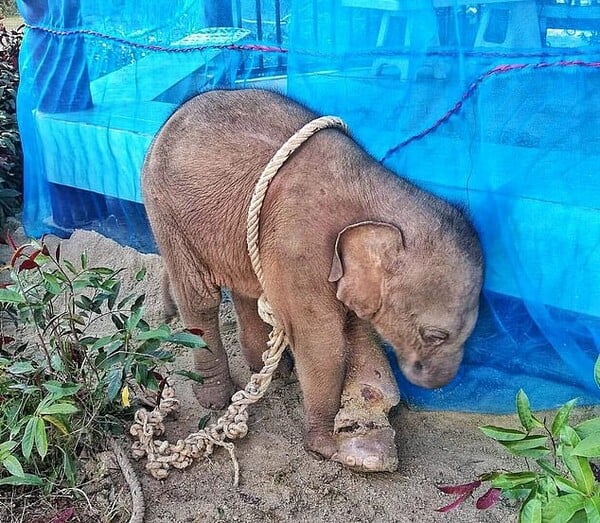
<point x="170" y="307"/>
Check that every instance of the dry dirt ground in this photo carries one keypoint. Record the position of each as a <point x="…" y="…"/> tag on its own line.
<point x="280" y="482"/>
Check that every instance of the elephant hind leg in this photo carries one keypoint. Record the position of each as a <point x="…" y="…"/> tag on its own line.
<point x="169" y="305"/>
<point x="198" y="303"/>
<point x="212" y="364"/>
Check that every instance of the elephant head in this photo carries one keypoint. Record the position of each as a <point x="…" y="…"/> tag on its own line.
<point x="421" y="293"/>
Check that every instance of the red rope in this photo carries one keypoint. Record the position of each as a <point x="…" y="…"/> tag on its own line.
<point x="470" y="92"/>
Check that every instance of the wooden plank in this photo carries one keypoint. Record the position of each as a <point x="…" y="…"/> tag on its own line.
<point x="570" y="17"/>
<point x="101" y="149"/>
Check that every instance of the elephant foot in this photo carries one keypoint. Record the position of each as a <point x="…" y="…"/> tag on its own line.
<point x="366" y="448"/>
<point x="319" y="445"/>
<point x="362" y="431"/>
<point x="214" y="395"/>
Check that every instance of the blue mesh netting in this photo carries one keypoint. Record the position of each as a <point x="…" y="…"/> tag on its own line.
<point x="493" y="105"/>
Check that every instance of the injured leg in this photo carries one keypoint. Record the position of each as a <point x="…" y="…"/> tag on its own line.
<point x="364" y="436"/>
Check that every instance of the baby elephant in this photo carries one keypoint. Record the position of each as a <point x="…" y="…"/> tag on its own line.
<point x="350" y="251"/>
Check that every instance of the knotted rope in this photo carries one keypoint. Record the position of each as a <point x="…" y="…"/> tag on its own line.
<point x="233" y="424"/>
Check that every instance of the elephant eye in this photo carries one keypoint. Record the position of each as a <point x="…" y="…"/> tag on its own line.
<point x="433" y="335"/>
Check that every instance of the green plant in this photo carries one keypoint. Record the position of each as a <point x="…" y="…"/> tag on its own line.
<point x="8" y="8"/>
<point x="80" y="353"/>
<point x="11" y="155"/>
<point x="563" y="487"/>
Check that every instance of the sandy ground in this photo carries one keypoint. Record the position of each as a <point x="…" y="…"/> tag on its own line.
<point x="280" y="482"/>
<point x="12" y="23"/>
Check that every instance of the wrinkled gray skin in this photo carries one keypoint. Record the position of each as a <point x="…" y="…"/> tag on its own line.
<point x="346" y="247"/>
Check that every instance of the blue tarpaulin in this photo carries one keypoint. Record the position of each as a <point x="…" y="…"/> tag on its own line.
<point x="492" y="105"/>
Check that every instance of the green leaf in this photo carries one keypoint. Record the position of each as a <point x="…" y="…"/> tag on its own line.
<point x="70" y="266"/>
<point x="69" y="468"/>
<point x="528" y="442"/>
<point x="528" y="420"/>
<point x="141" y="374"/>
<point x="103" y="271"/>
<point x="139" y="275"/>
<point x="579" y="468"/>
<point x="510" y="480"/>
<point x="547" y="487"/>
<point x="567" y="486"/>
<point x="134" y="319"/>
<point x="86" y="304"/>
<point x="579" y="517"/>
<point x="587" y="428"/>
<point x="562" y="417"/>
<point x="118" y="322"/>
<point x="13" y="466"/>
<point x="187" y="339"/>
<point x="549" y="468"/>
<point x="115" y="381"/>
<point x="162" y="355"/>
<point x="531" y="511"/>
<point x="59" y="408"/>
<point x="125" y="301"/>
<point x="28" y="437"/>
<point x="57" y="363"/>
<point x="203" y="421"/>
<point x="41" y="438"/>
<point x="42" y="259"/>
<point x="529" y="447"/>
<point x="561" y="509"/>
<point x="150" y="346"/>
<point x="139" y="302"/>
<point x="24" y="388"/>
<point x="597" y="372"/>
<point x="502" y="434"/>
<point x="60" y="390"/>
<point x="115" y="358"/>
<point x="161" y="333"/>
<point x="84" y="260"/>
<point x="151" y="382"/>
<point x="21" y="367"/>
<point x="190" y="375"/>
<point x="569" y="437"/>
<point x="104" y="341"/>
<point x="10" y="296"/>
<point x="26" y="479"/>
<point x="113" y="295"/>
<point x="519" y="494"/>
<point x="589" y="446"/>
<point x="52" y="283"/>
<point x="6" y="447"/>
<point x="592" y="509"/>
<point x="64" y="429"/>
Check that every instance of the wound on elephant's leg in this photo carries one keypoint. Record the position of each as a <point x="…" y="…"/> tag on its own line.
<point x="364" y="436"/>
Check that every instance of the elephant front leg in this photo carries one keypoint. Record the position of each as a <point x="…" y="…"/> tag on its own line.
<point x="320" y="365"/>
<point x="363" y="434"/>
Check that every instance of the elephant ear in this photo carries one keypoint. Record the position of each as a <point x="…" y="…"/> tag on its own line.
<point x="364" y="253"/>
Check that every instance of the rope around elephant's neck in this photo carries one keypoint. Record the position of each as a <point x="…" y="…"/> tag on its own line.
<point x="161" y="455"/>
